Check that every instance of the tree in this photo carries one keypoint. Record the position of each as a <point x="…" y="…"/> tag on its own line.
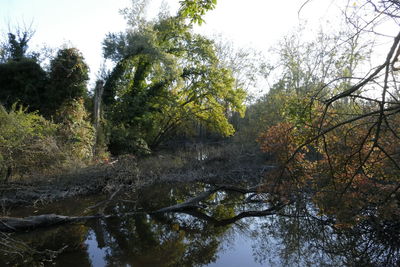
<point x="68" y="77"/>
<point x="22" y="79"/>
<point x="195" y="9"/>
<point x="248" y="65"/>
<point x="299" y="74"/>
<point x="347" y="158"/>
<point x="166" y="77"/>
<point x="17" y="46"/>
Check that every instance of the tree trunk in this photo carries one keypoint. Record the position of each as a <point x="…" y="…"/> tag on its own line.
<point x="98" y="93"/>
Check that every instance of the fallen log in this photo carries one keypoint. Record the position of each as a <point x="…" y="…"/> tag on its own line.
<point x="234" y="188"/>
<point x="192" y="203"/>
<point x="245" y="214"/>
<point x="12" y="224"/>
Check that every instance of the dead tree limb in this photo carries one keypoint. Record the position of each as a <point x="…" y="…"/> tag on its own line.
<point x="192" y="203"/>
<point x="245" y="214"/>
<point x="12" y="224"/>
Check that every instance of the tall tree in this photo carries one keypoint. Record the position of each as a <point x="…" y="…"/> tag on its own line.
<point x="166" y="77"/>
<point x="22" y="79"/>
<point x="68" y="78"/>
<point x="18" y="45"/>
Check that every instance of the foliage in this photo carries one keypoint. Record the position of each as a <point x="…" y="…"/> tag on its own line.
<point x="336" y="143"/>
<point x="135" y="14"/>
<point x="248" y="65"/>
<point x="307" y="72"/>
<point x="166" y="77"/>
<point x="31" y="145"/>
<point x="75" y="133"/>
<point x="16" y="46"/>
<point x="3" y="52"/>
<point x="27" y="144"/>
<point x="23" y="81"/>
<point x="67" y="79"/>
<point x="196" y="9"/>
<point x="302" y="75"/>
<point x="352" y="177"/>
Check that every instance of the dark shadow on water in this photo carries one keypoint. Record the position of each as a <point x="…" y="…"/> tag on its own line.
<point x="294" y="237"/>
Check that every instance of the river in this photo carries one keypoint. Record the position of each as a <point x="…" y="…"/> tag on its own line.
<point x="295" y="236"/>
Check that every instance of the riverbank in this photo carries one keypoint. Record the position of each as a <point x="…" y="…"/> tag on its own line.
<point x="227" y="164"/>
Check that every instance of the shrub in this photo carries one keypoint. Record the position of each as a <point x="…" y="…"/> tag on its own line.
<point x="27" y="143"/>
<point x="75" y="134"/>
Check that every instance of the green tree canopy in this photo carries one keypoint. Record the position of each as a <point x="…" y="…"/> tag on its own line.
<point x="22" y="81"/>
<point x="195" y="9"/>
<point x="167" y="77"/>
<point x="67" y="79"/>
<point x="18" y="45"/>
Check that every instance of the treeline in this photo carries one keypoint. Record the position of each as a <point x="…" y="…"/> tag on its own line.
<point x="24" y="81"/>
<point x="166" y="83"/>
<point x="45" y="124"/>
<point x="331" y="121"/>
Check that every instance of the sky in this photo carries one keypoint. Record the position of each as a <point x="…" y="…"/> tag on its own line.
<point x="84" y="23"/>
<point x="259" y="24"/>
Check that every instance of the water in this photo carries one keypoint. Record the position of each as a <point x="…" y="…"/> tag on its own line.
<point x="236" y="253"/>
<point x="294" y="238"/>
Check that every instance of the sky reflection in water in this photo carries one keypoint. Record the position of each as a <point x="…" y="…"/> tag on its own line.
<point x="178" y="239"/>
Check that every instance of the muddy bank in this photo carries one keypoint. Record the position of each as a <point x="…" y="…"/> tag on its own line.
<point x="225" y="164"/>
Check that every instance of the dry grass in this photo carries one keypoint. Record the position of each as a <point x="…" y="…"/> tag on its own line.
<point x="229" y="163"/>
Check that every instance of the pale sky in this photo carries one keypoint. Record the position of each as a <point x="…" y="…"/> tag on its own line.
<point x="80" y="23"/>
<point x="84" y="23"/>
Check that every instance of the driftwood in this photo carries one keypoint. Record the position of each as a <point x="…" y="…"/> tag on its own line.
<point x="103" y="204"/>
<point x="191" y="207"/>
<point x="190" y="204"/>
<point x="252" y="213"/>
<point x="194" y="203"/>
<point x="12" y="224"/>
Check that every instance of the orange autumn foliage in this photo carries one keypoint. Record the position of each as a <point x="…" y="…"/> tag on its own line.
<point x="349" y="173"/>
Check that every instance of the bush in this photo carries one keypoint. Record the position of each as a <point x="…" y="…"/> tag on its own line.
<point x="75" y="134"/>
<point x="27" y="143"/>
<point x="31" y="145"/>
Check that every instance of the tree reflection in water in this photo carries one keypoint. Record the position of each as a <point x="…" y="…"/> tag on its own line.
<point x="315" y="241"/>
<point x="293" y="236"/>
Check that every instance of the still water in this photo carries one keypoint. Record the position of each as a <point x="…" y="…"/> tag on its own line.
<point x="294" y="237"/>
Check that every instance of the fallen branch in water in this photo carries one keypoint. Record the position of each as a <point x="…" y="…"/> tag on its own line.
<point x="194" y="203"/>
<point x="234" y="188"/>
<point x="245" y="214"/>
<point x="17" y="248"/>
<point x="11" y="224"/>
<point x="103" y="204"/>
